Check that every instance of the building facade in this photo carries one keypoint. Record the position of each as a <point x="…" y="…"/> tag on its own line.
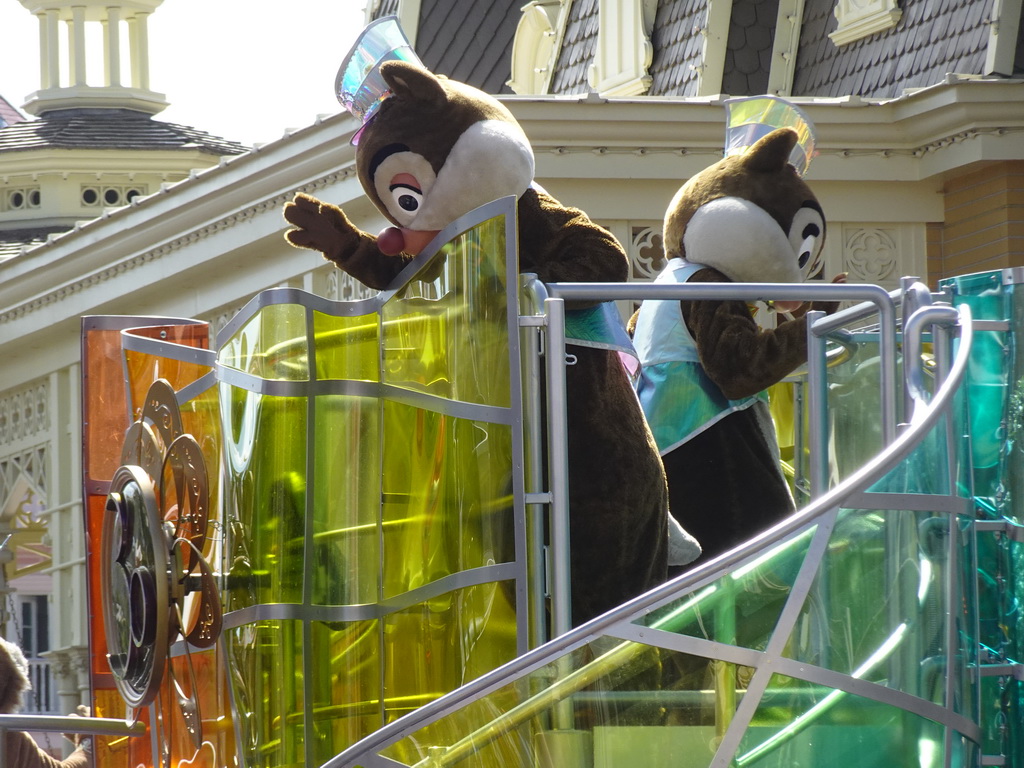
<point x="105" y="210"/>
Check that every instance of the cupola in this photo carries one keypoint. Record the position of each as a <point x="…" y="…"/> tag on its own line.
<point x="66" y="32"/>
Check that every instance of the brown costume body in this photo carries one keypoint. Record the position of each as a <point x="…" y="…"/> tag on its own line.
<point x="436" y="150"/>
<point x="748" y="218"/>
<point x="733" y="468"/>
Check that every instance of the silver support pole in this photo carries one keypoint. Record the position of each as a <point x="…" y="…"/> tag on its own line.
<point x="817" y="385"/>
<point x="558" y="469"/>
<point x="533" y="295"/>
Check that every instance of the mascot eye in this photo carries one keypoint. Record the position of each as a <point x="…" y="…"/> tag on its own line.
<point x="806" y="235"/>
<point x="407" y="197"/>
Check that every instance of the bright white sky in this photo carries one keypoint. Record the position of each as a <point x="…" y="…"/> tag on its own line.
<point x="241" y="69"/>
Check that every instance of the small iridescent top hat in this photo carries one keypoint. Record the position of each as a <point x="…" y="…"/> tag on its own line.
<point x="359" y="85"/>
<point x="753" y="117"/>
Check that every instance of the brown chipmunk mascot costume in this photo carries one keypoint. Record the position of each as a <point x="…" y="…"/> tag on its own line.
<point x="748" y="218"/>
<point x="22" y="750"/>
<point x="431" y="150"/>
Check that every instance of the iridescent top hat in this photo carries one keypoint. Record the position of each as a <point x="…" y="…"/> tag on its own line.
<point x="753" y="117"/>
<point x="359" y="85"/>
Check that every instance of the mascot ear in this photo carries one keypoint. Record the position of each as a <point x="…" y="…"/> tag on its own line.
<point x="408" y="81"/>
<point x="771" y="153"/>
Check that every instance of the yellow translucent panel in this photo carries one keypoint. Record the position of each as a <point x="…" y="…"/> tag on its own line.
<point x="347" y="347"/>
<point x="346" y="684"/>
<point x="609" y="703"/>
<point x="271" y="733"/>
<point x="446" y="331"/>
<point x="447" y="494"/>
<point x="265" y="458"/>
<point x="271" y="345"/>
<point x="345" y="510"/>
<point x="799" y="723"/>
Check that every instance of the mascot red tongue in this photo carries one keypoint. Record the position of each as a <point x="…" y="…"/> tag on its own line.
<point x="431" y="150"/>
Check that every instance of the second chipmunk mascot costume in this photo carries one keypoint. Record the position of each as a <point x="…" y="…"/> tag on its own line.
<point x="431" y="150"/>
<point x="748" y="218"/>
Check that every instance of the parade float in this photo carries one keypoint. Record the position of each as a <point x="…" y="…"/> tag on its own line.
<point x="338" y="534"/>
<point x="310" y="546"/>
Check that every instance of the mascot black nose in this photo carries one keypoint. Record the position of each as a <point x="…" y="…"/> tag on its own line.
<point x="803" y="259"/>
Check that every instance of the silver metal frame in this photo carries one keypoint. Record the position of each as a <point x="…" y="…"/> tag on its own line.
<point x="817" y="518"/>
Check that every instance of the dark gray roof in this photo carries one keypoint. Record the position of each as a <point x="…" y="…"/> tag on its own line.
<point x="12" y="241"/>
<point x="748" y="54"/>
<point x="110" y="129"/>
<point x="931" y="39"/>
<point x="577" y="51"/>
<point x="468" y="41"/>
<point x="677" y="46"/>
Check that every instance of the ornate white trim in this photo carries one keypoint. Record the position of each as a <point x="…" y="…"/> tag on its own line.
<point x="870" y="254"/>
<point x="533" y="48"/>
<point x="189" y="238"/>
<point x="860" y="18"/>
<point x="646" y="251"/>
<point x="25" y="412"/>
<point x="624" y="50"/>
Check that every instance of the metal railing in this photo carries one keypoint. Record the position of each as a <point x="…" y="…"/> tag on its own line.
<point x="92" y="726"/>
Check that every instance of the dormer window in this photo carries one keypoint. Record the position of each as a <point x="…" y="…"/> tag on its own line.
<point x="861" y="18"/>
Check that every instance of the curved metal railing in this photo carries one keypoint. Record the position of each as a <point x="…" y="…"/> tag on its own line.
<point x="815" y="521"/>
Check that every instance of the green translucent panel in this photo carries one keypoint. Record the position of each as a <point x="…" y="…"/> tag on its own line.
<point x="742" y="607"/>
<point x="265" y="662"/>
<point x="345" y="562"/>
<point x="347" y="347"/>
<point x="879" y="605"/>
<point x="799" y="723"/>
<point x="265" y="461"/>
<point x="447" y="491"/>
<point x="854" y="390"/>
<point x="606" y="704"/>
<point x="271" y="345"/>
<point x="446" y="332"/>
<point x="346" y="677"/>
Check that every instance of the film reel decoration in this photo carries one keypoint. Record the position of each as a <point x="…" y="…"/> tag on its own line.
<point x="157" y="586"/>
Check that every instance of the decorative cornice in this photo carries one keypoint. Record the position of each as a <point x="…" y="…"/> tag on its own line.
<point x="126" y="265"/>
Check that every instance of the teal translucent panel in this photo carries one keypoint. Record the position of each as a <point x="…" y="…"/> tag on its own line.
<point x="741" y="608"/>
<point x="882" y="601"/>
<point x="345" y="510"/>
<point x="989" y="376"/>
<point x="265" y="664"/>
<point x="265" y="499"/>
<point x="799" y="723"/>
<point x="940" y="463"/>
<point x="855" y="407"/>
<point x="446" y="332"/>
<point x="609" y="703"/>
<point x="271" y="345"/>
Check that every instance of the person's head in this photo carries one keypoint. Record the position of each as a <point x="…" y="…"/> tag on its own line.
<point x="14" y="679"/>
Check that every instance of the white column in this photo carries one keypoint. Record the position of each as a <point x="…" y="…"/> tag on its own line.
<point x="112" y="42"/>
<point x="139" y="41"/>
<point x="49" y="49"/>
<point x="76" y="46"/>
